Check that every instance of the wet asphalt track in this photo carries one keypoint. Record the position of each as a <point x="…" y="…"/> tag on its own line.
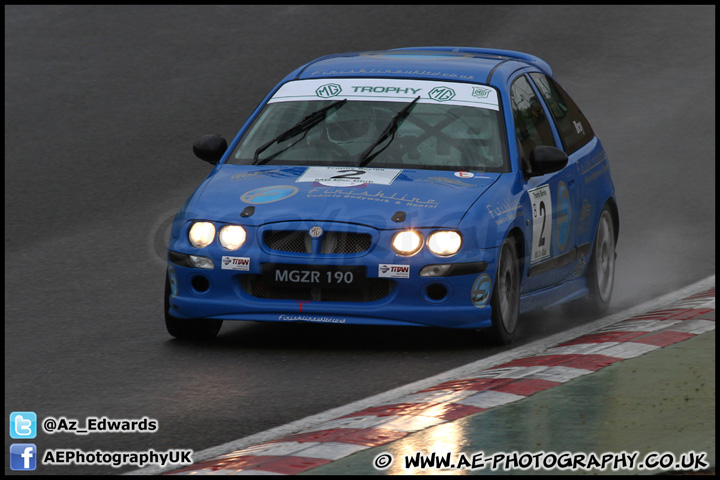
<point x="102" y="105"/>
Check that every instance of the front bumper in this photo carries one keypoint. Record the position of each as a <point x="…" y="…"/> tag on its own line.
<point x="234" y="288"/>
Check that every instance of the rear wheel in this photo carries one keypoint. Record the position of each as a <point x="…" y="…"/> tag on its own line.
<point x="189" y="329"/>
<point x="601" y="271"/>
<point x="600" y="274"/>
<point x="505" y="300"/>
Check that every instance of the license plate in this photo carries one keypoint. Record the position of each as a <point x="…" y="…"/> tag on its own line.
<point x="324" y="276"/>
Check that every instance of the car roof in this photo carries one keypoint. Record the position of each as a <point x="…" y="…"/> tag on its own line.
<point x="476" y="65"/>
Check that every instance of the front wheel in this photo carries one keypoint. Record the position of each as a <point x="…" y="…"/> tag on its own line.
<point x="505" y="300"/>
<point x="189" y="329"/>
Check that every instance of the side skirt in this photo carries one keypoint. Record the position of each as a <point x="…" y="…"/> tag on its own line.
<point x="553" y="296"/>
<point x="561" y="260"/>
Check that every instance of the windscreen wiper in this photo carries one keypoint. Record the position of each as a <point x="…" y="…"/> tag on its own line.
<point x="390" y="130"/>
<point x="308" y="122"/>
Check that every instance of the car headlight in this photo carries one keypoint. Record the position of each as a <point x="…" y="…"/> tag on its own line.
<point x="444" y="243"/>
<point x="201" y="234"/>
<point x="232" y="236"/>
<point x="407" y="242"/>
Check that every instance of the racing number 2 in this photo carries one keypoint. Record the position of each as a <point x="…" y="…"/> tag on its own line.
<point x="541" y="202"/>
<point x="349" y="174"/>
<point x="541" y="242"/>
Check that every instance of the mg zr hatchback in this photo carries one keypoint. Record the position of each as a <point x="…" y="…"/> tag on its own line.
<point x="439" y="186"/>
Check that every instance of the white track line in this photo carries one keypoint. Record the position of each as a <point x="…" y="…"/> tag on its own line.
<point x="464" y="371"/>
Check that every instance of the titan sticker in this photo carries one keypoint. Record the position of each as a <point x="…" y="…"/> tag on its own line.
<point x="241" y="264"/>
<point x="393" y="271"/>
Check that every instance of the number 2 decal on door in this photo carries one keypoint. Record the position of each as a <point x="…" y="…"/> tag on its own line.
<point x="541" y="203"/>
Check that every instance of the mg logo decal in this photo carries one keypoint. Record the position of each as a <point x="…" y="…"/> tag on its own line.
<point x="329" y="90"/>
<point x="442" y="94"/>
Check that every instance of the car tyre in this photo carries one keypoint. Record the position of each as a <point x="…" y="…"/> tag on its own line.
<point x="601" y="270"/>
<point x="600" y="274"/>
<point x="189" y="329"/>
<point x="505" y="300"/>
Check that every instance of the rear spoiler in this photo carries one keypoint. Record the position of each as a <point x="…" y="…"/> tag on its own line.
<point x="526" y="57"/>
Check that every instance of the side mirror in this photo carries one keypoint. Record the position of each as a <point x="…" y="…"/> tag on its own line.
<point x="545" y="159"/>
<point x="210" y="148"/>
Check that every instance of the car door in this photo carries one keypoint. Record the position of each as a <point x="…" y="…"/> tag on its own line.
<point x="585" y="154"/>
<point x="553" y="198"/>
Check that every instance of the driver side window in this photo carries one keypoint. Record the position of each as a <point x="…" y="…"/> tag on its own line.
<point x="574" y="129"/>
<point x="531" y="124"/>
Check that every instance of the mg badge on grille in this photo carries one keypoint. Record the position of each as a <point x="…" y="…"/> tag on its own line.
<point x="315" y="232"/>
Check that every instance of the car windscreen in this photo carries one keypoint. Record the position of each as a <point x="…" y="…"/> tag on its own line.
<point x="378" y="123"/>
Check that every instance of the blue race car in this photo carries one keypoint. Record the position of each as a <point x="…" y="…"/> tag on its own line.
<point x="437" y="186"/>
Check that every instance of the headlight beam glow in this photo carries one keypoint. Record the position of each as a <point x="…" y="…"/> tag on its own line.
<point x="408" y="242"/>
<point x="444" y="243"/>
<point x="201" y="234"/>
<point x="232" y="236"/>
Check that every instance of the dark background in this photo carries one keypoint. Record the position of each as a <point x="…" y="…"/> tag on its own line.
<point x="102" y="105"/>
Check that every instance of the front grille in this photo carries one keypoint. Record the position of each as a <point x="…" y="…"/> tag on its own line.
<point x="344" y="242"/>
<point x="299" y="241"/>
<point x="375" y="289"/>
<point x="296" y="241"/>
